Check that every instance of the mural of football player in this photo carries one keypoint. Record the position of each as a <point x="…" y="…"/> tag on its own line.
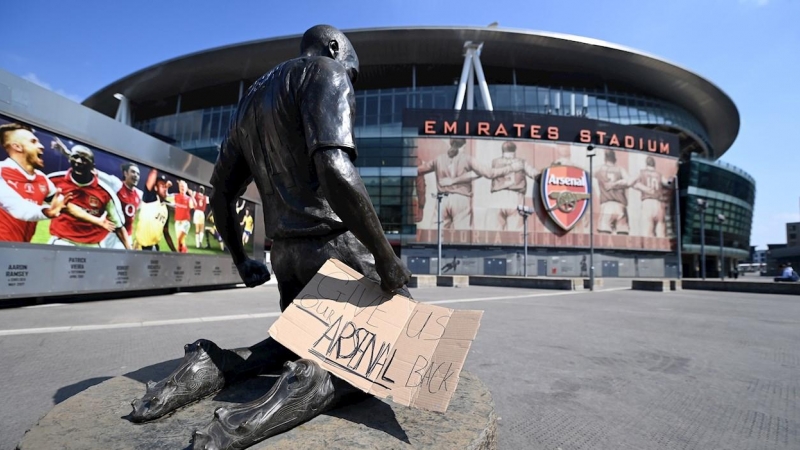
<point x="199" y="215"/>
<point x="152" y="224"/>
<point x="612" y="182"/>
<point x="508" y="190"/>
<point x="129" y="195"/>
<point x="97" y="202"/>
<point x="453" y="176"/>
<point x="211" y="230"/>
<point x="247" y="226"/>
<point x="184" y="203"/>
<point x="654" y="188"/>
<point x="27" y="196"/>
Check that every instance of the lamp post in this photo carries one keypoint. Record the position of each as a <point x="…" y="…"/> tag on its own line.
<point x="678" y="227"/>
<point x="525" y="211"/>
<point x="721" y="220"/>
<point x="590" y="153"/>
<point x="702" y="205"/>
<point x="439" y="197"/>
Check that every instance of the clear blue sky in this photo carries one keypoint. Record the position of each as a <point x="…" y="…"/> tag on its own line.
<point x="749" y="48"/>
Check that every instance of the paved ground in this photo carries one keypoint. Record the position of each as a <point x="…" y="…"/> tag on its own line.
<point x="611" y="369"/>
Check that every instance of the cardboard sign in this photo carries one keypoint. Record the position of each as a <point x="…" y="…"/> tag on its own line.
<point x="392" y="348"/>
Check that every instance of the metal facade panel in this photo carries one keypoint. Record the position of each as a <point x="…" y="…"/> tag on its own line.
<point x="26" y="272"/>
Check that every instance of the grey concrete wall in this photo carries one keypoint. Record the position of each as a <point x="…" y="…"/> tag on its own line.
<point x="561" y="263"/>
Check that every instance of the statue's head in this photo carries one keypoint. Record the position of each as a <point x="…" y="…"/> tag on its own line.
<point x="328" y="41"/>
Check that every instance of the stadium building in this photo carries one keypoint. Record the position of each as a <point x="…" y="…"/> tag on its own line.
<point x="498" y="119"/>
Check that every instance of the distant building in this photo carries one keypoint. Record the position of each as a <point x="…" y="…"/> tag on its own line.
<point x="779" y="254"/>
<point x="793" y="234"/>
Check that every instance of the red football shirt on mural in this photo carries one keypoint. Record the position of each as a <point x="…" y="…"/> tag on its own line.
<point x="26" y="188"/>
<point x="200" y="200"/>
<point x="130" y="200"/>
<point x="96" y="198"/>
<point x="182" y="203"/>
<point x="606" y="175"/>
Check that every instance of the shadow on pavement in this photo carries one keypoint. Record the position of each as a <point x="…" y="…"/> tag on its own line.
<point x="155" y="372"/>
<point x="372" y="413"/>
<point x="68" y="391"/>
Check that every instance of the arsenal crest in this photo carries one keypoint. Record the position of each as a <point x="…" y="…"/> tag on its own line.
<point x="566" y="191"/>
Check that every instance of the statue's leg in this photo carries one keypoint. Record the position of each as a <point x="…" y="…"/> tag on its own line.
<point x="303" y="391"/>
<point x="204" y="370"/>
<point x="199" y="374"/>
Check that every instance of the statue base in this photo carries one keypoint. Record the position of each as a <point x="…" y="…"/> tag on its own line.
<point x="97" y="419"/>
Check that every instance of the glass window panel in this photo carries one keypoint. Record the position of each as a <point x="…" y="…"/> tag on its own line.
<point x="390" y="181"/>
<point x="543" y="100"/>
<point x="531" y="99"/>
<point x="390" y="190"/>
<point x="395" y="200"/>
<point x="371" y="105"/>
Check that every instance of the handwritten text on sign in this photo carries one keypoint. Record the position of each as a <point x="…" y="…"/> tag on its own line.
<point x="389" y="347"/>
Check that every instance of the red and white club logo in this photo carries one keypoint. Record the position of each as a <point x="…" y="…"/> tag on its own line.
<point x="566" y="191"/>
<point x="94" y="202"/>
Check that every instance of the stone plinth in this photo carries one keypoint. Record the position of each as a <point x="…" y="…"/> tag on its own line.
<point x="422" y="281"/>
<point x="587" y="282"/>
<point x="95" y="419"/>
<point x="651" y="285"/>
<point x="452" y="281"/>
<point x="564" y="284"/>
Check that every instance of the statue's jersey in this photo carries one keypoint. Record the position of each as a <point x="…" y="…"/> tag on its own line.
<point x="606" y="176"/>
<point x="513" y="181"/>
<point x="302" y="105"/>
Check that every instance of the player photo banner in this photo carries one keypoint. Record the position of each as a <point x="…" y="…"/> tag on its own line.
<point x="487" y="179"/>
<point x="57" y="191"/>
<point x="519" y="125"/>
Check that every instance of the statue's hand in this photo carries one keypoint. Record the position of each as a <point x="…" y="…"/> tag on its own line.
<point x="253" y="273"/>
<point x="394" y="274"/>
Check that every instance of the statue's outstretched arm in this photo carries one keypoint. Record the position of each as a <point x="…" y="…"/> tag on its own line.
<point x="348" y="197"/>
<point x="230" y="179"/>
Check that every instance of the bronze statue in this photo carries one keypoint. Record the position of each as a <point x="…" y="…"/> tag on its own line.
<point x="293" y="135"/>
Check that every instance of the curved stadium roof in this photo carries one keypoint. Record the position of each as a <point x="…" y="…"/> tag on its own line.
<point x="444" y="46"/>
